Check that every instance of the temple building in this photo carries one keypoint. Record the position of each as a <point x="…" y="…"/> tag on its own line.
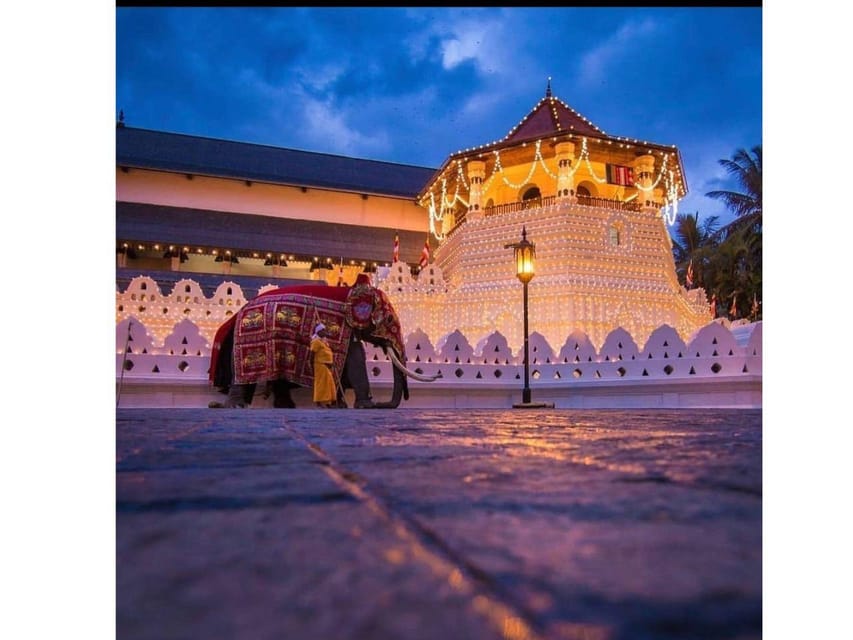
<point x="595" y="205"/>
<point x="205" y="207"/>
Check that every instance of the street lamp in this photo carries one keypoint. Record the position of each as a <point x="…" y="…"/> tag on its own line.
<point x="524" y="253"/>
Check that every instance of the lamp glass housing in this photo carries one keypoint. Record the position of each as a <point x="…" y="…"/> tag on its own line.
<point x="525" y="253"/>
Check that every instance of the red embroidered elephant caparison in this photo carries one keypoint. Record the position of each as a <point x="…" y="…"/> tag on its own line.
<point x="271" y="334"/>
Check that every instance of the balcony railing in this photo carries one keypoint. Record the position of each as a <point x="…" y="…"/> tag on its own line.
<point x="606" y="203"/>
<point x="511" y="207"/>
<point x="589" y="201"/>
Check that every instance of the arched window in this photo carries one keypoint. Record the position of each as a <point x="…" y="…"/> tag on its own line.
<point x="583" y="191"/>
<point x="531" y="194"/>
<point x="532" y="197"/>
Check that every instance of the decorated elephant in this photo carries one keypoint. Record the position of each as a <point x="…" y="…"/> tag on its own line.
<point x="267" y="341"/>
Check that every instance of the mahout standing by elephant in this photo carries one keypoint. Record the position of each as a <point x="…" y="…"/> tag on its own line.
<point x="324" y="382"/>
<point x="269" y="341"/>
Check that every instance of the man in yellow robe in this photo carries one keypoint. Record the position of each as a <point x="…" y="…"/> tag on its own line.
<point x="324" y="383"/>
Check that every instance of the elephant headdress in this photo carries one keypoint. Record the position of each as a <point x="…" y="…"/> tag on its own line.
<point x="369" y="311"/>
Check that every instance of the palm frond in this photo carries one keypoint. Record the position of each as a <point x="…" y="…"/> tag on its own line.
<point x="746" y="169"/>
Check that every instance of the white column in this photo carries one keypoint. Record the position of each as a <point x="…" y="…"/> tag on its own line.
<point x="476" y="174"/>
<point x="644" y="171"/>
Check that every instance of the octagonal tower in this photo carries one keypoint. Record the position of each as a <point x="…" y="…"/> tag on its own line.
<point x="595" y="205"/>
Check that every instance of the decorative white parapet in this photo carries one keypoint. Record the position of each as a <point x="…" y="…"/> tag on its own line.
<point x="163" y="344"/>
<point x="184" y="354"/>
<point x="710" y="370"/>
<point x="160" y="312"/>
<point x="713" y="353"/>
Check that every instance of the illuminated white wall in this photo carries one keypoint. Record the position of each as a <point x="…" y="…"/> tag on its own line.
<point x="583" y="279"/>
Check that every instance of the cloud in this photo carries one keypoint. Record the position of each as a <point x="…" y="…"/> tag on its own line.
<point x="460" y="36"/>
<point x="414" y="84"/>
<point x="704" y="173"/>
<point x="464" y="46"/>
<point x="327" y="127"/>
<point x="321" y="78"/>
<point x="594" y="65"/>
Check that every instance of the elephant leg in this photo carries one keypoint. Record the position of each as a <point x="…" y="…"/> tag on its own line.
<point x="355" y="372"/>
<point x="248" y="393"/>
<point x="281" y="398"/>
<point x="240" y="395"/>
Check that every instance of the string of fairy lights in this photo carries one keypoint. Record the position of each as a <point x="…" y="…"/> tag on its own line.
<point x="664" y="177"/>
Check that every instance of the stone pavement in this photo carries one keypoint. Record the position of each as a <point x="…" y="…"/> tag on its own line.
<point x="422" y="524"/>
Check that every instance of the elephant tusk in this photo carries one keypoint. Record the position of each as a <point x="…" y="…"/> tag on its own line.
<point x="411" y="374"/>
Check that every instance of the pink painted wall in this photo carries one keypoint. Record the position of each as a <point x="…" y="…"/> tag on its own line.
<point x="217" y="194"/>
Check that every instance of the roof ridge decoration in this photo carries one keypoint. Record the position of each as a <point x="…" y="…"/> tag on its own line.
<point x="551" y="116"/>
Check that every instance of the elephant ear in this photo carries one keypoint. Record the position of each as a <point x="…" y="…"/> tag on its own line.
<point x="361" y="301"/>
<point x="386" y="323"/>
<point x="370" y="309"/>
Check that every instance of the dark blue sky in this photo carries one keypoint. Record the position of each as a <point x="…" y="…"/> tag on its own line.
<point x="413" y="85"/>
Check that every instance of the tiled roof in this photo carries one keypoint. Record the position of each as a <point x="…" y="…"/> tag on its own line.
<point x="549" y="117"/>
<point x="240" y="232"/>
<point x="159" y="150"/>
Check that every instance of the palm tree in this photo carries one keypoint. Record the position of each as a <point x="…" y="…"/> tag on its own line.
<point x="745" y="205"/>
<point x="732" y="274"/>
<point x="693" y="243"/>
<point x="735" y="271"/>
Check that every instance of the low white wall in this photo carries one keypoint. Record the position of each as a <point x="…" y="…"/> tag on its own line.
<point x="717" y="367"/>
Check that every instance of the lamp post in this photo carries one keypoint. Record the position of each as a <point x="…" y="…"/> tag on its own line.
<point x="524" y="253"/>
